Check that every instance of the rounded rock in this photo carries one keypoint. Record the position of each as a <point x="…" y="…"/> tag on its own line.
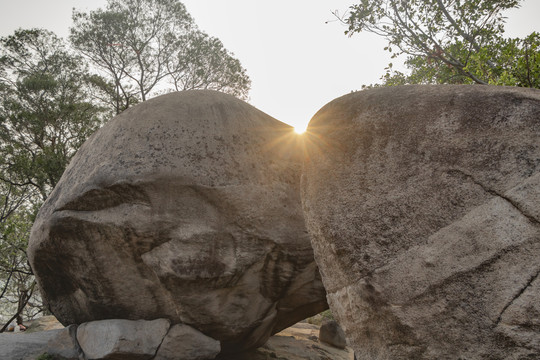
<point x="423" y="207"/>
<point x="184" y="207"/>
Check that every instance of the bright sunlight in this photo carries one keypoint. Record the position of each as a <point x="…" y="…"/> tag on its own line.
<point x="300" y="129"/>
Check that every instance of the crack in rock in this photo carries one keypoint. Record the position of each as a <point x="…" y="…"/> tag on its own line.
<point x="494" y="193"/>
<point x="515" y="297"/>
<point x="162" y="340"/>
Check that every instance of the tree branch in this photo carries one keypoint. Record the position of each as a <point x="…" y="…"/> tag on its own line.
<point x="20" y="308"/>
<point x="6" y="285"/>
<point x="465" y="35"/>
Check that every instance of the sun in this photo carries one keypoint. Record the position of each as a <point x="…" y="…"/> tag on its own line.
<point x="300" y="129"/>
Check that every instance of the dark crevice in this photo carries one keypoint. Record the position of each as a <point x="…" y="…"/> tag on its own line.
<point x="72" y="330"/>
<point x="108" y="197"/>
<point x="518" y="294"/>
<point x="494" y="193"/>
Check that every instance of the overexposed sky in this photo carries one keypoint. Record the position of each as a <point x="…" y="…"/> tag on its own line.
<point x="297" y="62"/>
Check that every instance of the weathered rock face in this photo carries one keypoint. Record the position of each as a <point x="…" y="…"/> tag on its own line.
<point x="423" y="207"/>
<point x="185" y="207"/>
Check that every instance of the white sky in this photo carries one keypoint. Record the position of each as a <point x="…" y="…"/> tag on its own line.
<point x="296" y="62"/>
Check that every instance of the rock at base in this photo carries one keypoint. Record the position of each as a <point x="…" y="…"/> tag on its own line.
<point x="298" y="342"/>
<point x="29" y="346"/>
<point x="331" y="333"/>
<point x="65" y="345"/>
<point x="122" y="338"/>
<point x="184" y="342"/>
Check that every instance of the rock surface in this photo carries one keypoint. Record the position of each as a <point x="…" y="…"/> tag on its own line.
<point x="119" y="339"/>
<point x="192" y="344"/>
<point x="21" y="346"/>
<point x="423" y="207"/>
<point x="65" y="345"/>
<point x="331" y="333"/>
<point x="184" y="207"/>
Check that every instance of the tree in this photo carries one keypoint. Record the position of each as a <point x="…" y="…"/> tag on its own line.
<point x="46" y="108"/>
<point x="145" y="46"/>
<point x="203" y="63"/>
<point x="46" y="112"/>
<point x="17" y="283"/>
<point x="450" y="41"/>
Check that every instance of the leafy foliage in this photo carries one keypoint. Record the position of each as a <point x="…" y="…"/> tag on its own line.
<point x="321" y="317"/>
<point x="145" y="46"/>
<point x="46" y="109"/>
<point x="203" y="63"/>
<point x="450" y="41"/>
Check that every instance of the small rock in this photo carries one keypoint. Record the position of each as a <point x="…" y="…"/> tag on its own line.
<point x="331" y="333"/>
<point x="131" y="339"/>
<point x="64" y="345"/>
<point x="186" y="343"/>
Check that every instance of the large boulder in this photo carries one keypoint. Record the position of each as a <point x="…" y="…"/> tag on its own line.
<point x="185" y="207"/>
<point x="423" y="203"/>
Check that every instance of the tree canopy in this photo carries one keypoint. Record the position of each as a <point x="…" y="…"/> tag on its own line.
<point x="46" y="109"/>
<point x="450" y="41"/>
<point x="149" y="46"/>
